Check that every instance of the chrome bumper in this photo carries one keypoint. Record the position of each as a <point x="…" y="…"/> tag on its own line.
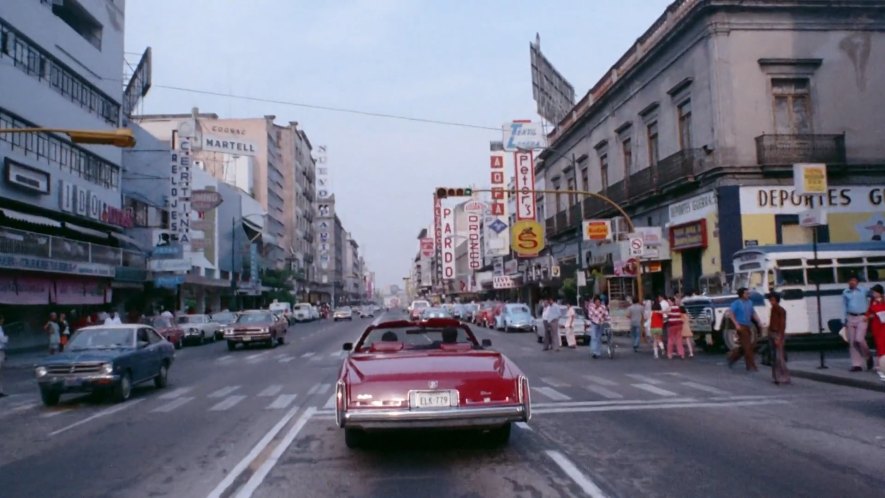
<point x="78" y="383"/>
<point x="470" y="417"/>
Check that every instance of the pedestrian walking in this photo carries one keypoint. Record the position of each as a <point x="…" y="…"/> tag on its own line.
<point x="674" y="332"/>
<point x="743" y="315"/>
<point x="876" y="323"/>
<point x="854" y="301"/>
<point x="51" y="328"/>
<point x="687" y="334"/>
<point x="570" y="327"/>
<point x="65" y="331"/>
<point x="597" y="313"/>
<point x="777" y="329"/>
<point x="550" y="317"/>
<point x="3" y="341"/>
<point x="635" y="312"/>
<point x="656" y="327"/>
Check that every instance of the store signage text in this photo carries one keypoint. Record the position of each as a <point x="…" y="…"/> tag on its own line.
<point x="228" y="146"/>
<point x="689" y="236"/>
<point x="77" y="200"/>
<point x="525" y="185"/>
<point x="448" y="243"/>
<point x="694" y="208"/>
<point x="785" y="200"/>
<point x="32" y="263"/>
<point x="178" y="199"/>
<point x="497" y="237"/>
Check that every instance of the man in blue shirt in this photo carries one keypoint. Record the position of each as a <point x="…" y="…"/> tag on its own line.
<point x="854" y="301"/>
<point x="742" y="315"/>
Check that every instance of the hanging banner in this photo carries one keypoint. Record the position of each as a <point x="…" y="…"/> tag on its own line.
<point x="496" y="223"/>
<point x="525" y="185"/>
<point x="474" y="211"/>
<point x="33" y="290"/>
<point x="448" y="242"/>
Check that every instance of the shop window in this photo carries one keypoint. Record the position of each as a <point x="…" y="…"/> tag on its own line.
<point x="79" y="19"/>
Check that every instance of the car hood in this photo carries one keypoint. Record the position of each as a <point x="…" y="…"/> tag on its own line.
<point x="88" y="356"/>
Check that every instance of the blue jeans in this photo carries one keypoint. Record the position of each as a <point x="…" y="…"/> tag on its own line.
<point x="595" y="339"/>
<point x="636" y="333"/>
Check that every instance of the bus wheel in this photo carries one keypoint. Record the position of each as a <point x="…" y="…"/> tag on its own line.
<point x="730" y="337"/>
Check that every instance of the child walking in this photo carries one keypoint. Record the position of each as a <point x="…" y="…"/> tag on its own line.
<point x="657" y="328"/>
<point x="687" y="334"/>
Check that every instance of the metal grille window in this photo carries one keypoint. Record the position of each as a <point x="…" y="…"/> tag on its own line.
<point x="792" y="106"/>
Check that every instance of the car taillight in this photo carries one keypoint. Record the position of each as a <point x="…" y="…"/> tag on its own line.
<point x="525" y="396"/>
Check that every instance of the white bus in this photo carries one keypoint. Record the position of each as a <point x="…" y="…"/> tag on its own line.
<point x="790" y="270"/>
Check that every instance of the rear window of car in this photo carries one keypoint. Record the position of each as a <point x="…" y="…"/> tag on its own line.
<point x="255" y="318"/>
<point x="412" y="339"/>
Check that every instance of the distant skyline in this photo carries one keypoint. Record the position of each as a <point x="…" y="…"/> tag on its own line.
<point x="450" y="61"/>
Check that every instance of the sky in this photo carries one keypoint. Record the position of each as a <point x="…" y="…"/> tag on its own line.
<point x="449" y="60"/>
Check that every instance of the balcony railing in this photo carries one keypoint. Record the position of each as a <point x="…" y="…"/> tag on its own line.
<point x="574" y="215"/>
<point x="772" y="150"/>
<point x="642" y="184"/>
<point x="679" y="168"/>
<point x="26" y="243"/>
<point x="561" y="221"/>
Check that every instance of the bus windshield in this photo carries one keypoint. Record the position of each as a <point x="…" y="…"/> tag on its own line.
<point x="750" y="280"/>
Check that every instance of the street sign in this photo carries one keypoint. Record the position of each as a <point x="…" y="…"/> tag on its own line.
<point x="554" y="271"/>
<point x="527" y="238"/>
<point x="205" y="200"/>
<point x="582" y="279"/>
<point x="813" y="218"/>
<point x="636" y="245"/>
<point x="597" y="230"/>
<point x="810" y="179"/>
<point x="503" y="282"/>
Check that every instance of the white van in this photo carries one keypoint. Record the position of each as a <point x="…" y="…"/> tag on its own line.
<point x="303" y="312"/>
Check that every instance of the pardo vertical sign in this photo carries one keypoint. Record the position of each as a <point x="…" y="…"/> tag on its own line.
<point x="448" y="243"/>
<point x="525" y="185"/>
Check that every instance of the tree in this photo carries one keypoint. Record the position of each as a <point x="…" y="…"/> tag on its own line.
<point x="569" y="290"/>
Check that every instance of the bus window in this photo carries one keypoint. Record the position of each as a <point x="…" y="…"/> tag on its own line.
<point x="843" y="273"/>
<point x="822" y="275"/>
<point x="794" y="276"/>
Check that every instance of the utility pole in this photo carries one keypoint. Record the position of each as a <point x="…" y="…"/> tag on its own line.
<point x="580" y="234"/>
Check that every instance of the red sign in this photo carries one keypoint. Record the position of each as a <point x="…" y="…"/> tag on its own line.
<point x="437" y="232"/>
<point x="117" y="217"/>
<point x="427" y="247"/>
<point x="689" y="236"/>
<point x="205" y="200"/>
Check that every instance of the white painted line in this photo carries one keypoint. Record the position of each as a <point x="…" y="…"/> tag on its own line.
<point x="600" y="381"/>
<point x="256" y="450"/>
<point x="604" y="392"/>
<point x="585" y="483"/>
<point x="21" y="408"/>
<point x="552" y="393"/>
<point x="224" y="358"/>
<point x="224" y="391"/>
<point x="103" y="413"/>
<point x="324" y="388"/>
<point x="524" y="426"/>
<point x="308" y="355"/>
<point x="609" y="403"/>
<point x="331" y="402"/>
<point x="265" y="468"/>
<point x="168" y="407"/>
<point x="282" y="401"/>
<point x="553" y="382"/>
<point x="314" y="389"/>
<point x="654" y="390"/>
<point x="645" y="379"/>
<point x="286" y="359"/>
<point x="256" y="356"/>
<point x="227" y="403"/>
<point x="175" y="393"/>
<point x="335" y="354"/>
<point x="271" y="390"/>
<point x="705" y="388"/>
<point x="658" y="406"/>
<point x="55" y="412"/>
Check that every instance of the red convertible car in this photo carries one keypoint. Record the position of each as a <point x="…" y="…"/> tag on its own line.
<point x="428" y="375"/>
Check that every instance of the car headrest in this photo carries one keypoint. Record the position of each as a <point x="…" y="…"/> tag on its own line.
<point x="386" y="347"/>
<point x="461" y="346"/>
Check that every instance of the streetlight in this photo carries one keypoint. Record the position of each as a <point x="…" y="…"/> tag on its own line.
<point x="121" y="137"/>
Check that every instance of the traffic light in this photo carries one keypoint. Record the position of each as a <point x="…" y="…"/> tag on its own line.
<point x="443" y="192"/>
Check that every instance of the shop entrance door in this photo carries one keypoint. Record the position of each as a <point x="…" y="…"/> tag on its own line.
<point x="691" y="269"/>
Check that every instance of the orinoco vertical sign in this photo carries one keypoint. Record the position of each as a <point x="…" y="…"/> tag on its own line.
<point x="525" y="185"/>
<point x="178" y="200"/>
<point x="474" y="210"/>
<point x="437" y="234"/>
<point x="448" y="244"/>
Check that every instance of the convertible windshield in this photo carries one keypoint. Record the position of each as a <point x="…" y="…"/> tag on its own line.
<point x="255" y="318"/>
<point x="430" y="338"/>
<point x="102" y="339"/>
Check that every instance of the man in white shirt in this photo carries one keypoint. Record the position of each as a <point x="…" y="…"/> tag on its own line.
<point x="551" y="316"/>
<point x="3" y="341"/>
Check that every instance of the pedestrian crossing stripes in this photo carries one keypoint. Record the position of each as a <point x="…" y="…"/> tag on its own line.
<point x="600" y="381"/>
<point x="705" y="388"/>
<point x="228" y="403"/>
<point x="604" y="392"/>
<point x="271" y="390"/>
<point x="553" y="382"/>
<point x="330" y="403"/>
<point x="308" y="354"/>
<point x="224" y="391"/>
<point x="654" y="389"/>
<point x="552" y="393"/>
<point x="282" y="401"/>
<point x="645" y="379"/>
<point x="286" y="359"/>
<point x="168" y="407"/>
<point x="175" y="393"/>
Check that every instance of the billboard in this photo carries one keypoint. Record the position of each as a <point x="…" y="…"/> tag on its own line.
<point x="523" y="135"/>
<point x="554" y="95"/>
<point x="447" y="222"/>
<point x="474" y="211"/>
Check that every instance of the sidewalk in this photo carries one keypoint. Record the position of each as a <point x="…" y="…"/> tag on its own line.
<point x="805" y="365"/>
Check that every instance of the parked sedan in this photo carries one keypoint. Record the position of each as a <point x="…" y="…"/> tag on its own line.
<point x="581" y="327"/>
<point x="108" y="359"/>
<point x="258" y="326"/>
<point x="198" y="328"/>
<point x="170" y="331"/>
<point x="343" y="313"/>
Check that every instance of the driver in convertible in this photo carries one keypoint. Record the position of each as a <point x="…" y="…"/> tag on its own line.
<point x="450" y="335"/>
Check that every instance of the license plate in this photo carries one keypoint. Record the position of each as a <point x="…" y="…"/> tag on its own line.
<point x="432" y="399"/>
<point x="246" y="338"/>
<point x="72" y="382"/>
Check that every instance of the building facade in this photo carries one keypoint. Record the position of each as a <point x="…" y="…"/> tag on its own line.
<point x="696" y="128"/>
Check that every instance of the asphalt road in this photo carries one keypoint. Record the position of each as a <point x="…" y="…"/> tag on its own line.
<point x="259" y="422"/>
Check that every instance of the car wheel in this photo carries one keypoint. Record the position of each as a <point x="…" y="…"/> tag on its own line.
<point x="124" y="389"/>
<point x="354" y="438"/>
<point x="49" y="397"/>
<point x="162" y="378"/>
<point x="202" y="338"/>
<point x="499" y="436"/>
<point x="272" y="343"/>
<point x="231" y="345"/>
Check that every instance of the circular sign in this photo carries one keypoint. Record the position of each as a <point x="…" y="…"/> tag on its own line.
<point x="205" y="200"/>
<point x="631" y="267"/>
<point x="527" y="238"/>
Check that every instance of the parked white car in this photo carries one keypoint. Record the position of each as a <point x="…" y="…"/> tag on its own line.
<point x="581" y="327"/>
<point x="304" y="312"/>
<point x="198" y="328"/>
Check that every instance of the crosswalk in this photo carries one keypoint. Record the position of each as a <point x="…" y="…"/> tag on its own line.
<point x="238" y="357"/>
<point x="618" y="387"/>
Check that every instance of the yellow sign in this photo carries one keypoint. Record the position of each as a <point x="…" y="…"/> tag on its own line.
<point x="527" y="238"/>
<point x="597" y="230"/>
<point x="810" y="179"/>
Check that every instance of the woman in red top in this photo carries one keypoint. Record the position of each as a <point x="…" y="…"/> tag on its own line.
<point x="657" y="327"/>
<point x="876" y="323"/>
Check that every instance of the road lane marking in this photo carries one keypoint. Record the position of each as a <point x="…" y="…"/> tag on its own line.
<point x="331" y="402"/>
<point x="175" y="393"/>
<point x="552" y="393"/>
<point x="600" y="381"/>
<point x="168" y="407"/>
<point x="553" y="382"/>
<point x="622" y="402"/>
<point x="21" y="408"/>
<point x="335" y="354"/>
<point x="705" y="388"/>
<point x="323" y="388"/>
<point x="257" y="356"/>
<point x="524" y="426"/>
<point x="585" y="483"/>
<point x="252" y="455"/>
<point x="103" y="413"/>
<point x="271" y="390"/>
<point x="227" y="403"/>
<point x="224" y="391"/>
<point x="314" y="389"/>
<point x="604" y="392"/>
<point x="286" y="359"/>
<point x="258" y="477"/>
<point x="224" y="358"/>
<point x="654" y="390"/>
<point x="656" y="406"/>
<point x="645" y="379"/>
<point x="282" y="401"/>
<point x="308" y="354"/>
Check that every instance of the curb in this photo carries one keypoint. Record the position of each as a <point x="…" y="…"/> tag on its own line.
<point x="871" y="385"/>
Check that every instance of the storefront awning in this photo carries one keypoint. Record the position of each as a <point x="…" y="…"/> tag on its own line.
<point x="122" y="237"/>
<point x="86" y="231"/>
<point x="29" y="218"/>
